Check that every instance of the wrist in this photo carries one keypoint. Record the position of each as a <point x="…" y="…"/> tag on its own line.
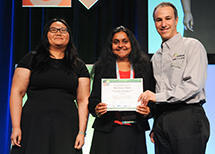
<point x="83" y="133"/>
<point x="16" y="127"/>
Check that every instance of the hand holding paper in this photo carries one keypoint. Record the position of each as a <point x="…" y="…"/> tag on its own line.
<point x="121" y="94"/>
<point x="101" y="109"/>
<point x="142" y="109"/>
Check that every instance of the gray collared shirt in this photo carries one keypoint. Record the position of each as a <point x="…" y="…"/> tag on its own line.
<point x="180" y="70"/>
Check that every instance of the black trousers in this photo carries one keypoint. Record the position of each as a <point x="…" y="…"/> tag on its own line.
<point x="181" y="129"/>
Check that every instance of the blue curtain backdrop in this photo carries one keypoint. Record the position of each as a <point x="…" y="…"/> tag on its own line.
<point x="21" y="30"/>
<point x="5" y="73"/>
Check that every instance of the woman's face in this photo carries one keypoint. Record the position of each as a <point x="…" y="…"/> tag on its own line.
<point x="121" y="45"/>
<point x="57" y="35"/>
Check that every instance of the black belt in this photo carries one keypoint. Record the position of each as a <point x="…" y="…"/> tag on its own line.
<point x="167" y="107"/>
<point x="161" y="108"/>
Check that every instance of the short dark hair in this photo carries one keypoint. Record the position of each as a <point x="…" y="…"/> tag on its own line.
<point x="163" y="4"/>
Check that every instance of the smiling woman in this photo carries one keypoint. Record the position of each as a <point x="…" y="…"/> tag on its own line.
<point x="53" y="77"/>
<point x="121" y="46"/>
<point x="121" y="58"/>
<point x="58" y="38"/>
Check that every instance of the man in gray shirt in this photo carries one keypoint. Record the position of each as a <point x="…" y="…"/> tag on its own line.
<point x="180" y="72"/>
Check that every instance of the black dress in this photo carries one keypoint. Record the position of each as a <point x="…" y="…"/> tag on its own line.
<point x="49" y="121"/>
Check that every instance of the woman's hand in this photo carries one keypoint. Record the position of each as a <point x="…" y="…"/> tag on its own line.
<point x="16" y="137"/>
<point x="152" y="137"/>
<point x="20" y="83"/>
<point x="101" y="109"/>
<point x="142" y="109"/>
<point x="79" y="142"/>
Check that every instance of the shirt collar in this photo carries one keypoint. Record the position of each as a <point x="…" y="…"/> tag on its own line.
<point x="172" y="41"/>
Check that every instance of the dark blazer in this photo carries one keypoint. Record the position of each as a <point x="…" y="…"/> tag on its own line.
<point x="106" y="121"/>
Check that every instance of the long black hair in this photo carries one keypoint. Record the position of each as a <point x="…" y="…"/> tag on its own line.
<point x="42" y="56"/>
<point x="106" y="63"/>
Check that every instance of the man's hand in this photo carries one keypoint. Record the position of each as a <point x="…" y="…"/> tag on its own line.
<point x="146" y="96"/>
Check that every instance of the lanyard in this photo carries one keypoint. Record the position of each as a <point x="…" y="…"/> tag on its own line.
<point x="117" y="72"/>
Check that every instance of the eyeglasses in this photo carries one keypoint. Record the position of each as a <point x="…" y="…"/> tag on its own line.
<point x="55" y="30"/>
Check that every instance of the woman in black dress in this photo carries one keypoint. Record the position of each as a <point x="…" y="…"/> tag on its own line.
<point x="53" y="77"/>
<point x="120" y="132"/>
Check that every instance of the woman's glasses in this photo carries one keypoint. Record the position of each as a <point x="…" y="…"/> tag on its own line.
<point x="55" y="30"/>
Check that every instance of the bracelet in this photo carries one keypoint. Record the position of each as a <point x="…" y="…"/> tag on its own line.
<point x="80" y="132"/>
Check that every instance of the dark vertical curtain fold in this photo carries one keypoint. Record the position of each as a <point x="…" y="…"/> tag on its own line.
<point x="5" y="74"/>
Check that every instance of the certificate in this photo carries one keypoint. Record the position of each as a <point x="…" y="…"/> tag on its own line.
<point x="121" y="94"/>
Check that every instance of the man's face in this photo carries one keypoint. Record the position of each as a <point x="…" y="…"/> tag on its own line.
<point x="165" y="22"/>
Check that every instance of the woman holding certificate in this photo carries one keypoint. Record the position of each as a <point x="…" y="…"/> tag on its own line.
<point x="119" y="132"/>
